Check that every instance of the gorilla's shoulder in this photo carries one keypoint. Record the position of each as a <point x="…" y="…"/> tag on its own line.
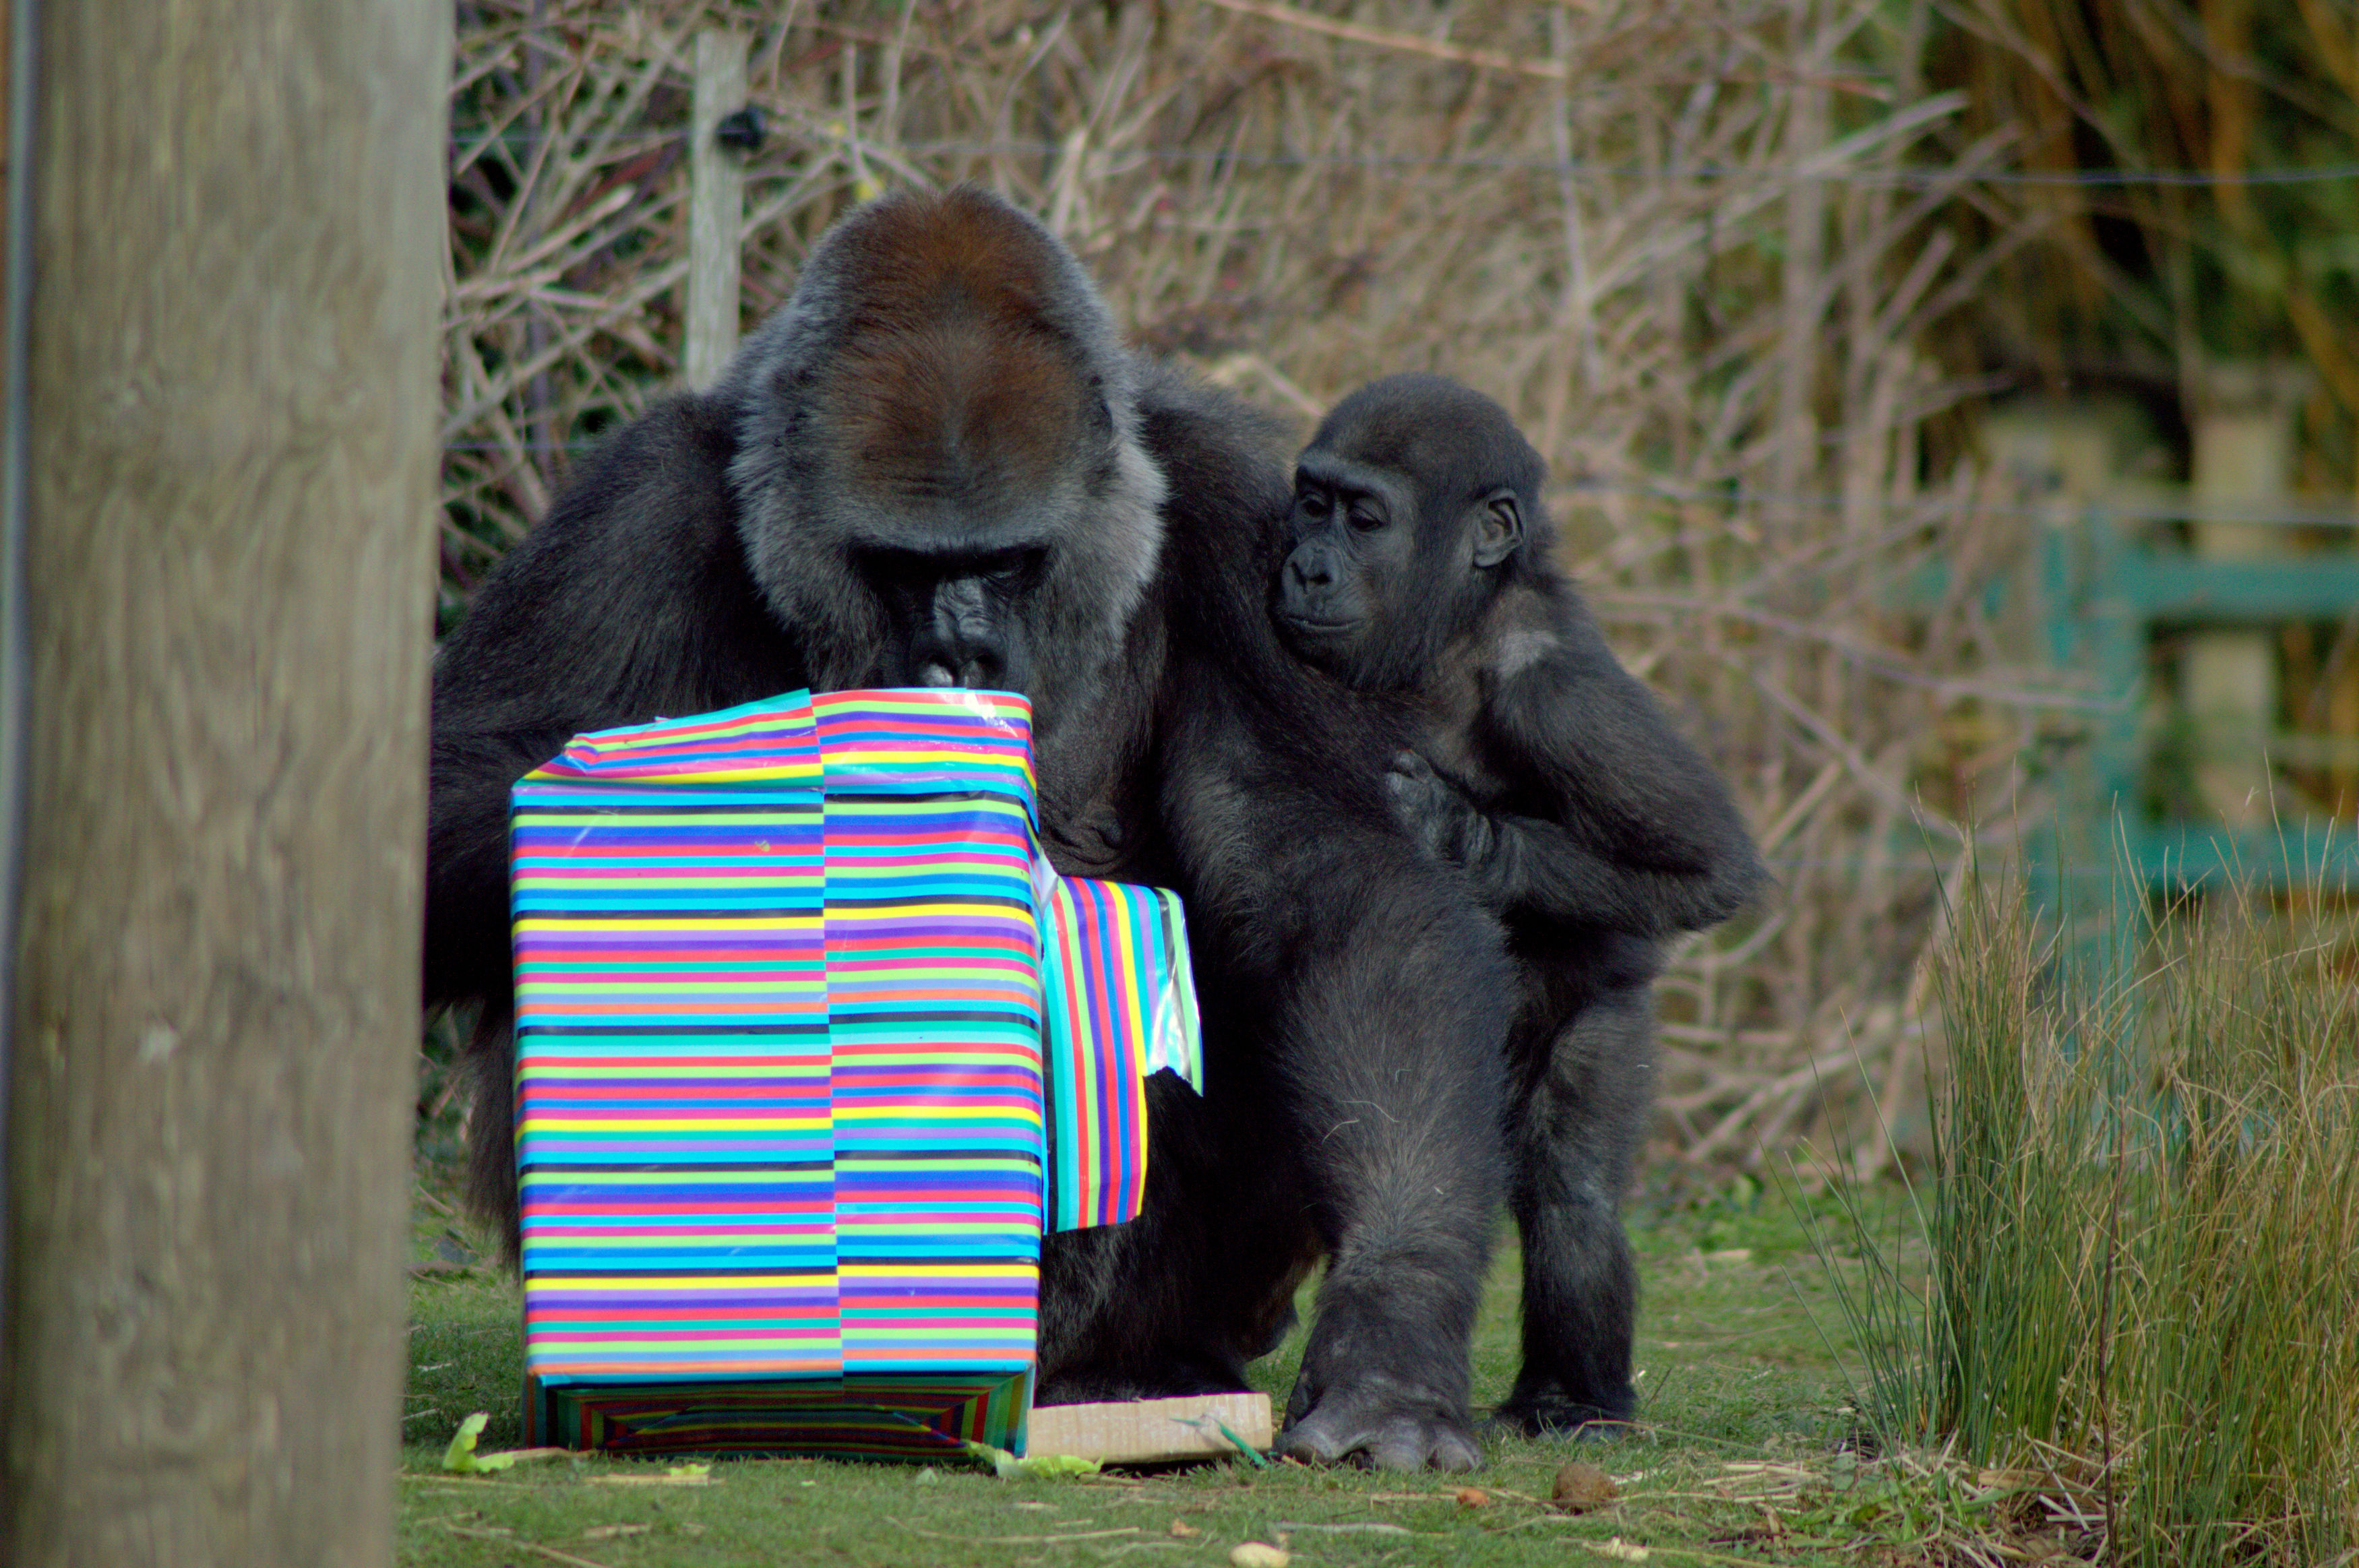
<point x="1189" y="425"/>
<point x="1226" y="464"/>
<point x="639" y="552"/>
<point x="652" y="497"/>
<point x="1228" y="482"/>
<point x="665" y="471"/>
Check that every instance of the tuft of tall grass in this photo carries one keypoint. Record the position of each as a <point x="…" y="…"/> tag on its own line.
<point x="2141" y="1231"/>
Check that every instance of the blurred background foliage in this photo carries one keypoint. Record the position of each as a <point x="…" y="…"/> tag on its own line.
<point x="2205" y="250"/>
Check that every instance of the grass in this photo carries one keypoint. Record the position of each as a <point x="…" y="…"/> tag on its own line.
<point x="1742" y="1345"/>
<point x="2143" y="1236"/>
<point x="2116" y="1323"/>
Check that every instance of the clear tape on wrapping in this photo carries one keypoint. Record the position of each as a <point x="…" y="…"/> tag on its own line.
<point x="1175" y="1036"/>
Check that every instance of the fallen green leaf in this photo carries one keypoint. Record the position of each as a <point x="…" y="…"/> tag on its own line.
<point x="461" y="1457"/>
<point x="1039" y="1466"/>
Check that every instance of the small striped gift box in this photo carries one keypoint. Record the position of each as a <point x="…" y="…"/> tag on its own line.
<point x="812" y="1048"/>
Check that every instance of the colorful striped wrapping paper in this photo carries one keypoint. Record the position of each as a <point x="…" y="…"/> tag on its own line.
<point x="800" y="1083"/>
<point x="1120" y="1003"/>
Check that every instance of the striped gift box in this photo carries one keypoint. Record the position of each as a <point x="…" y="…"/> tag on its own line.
<point x="810" y="1049"/>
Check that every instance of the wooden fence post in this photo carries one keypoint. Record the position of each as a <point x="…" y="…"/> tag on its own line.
<point x="716" y="209"/>
<point x="239" y="207"/>
<point x="2243" y="431"/>
<point x="2075" y="460"/>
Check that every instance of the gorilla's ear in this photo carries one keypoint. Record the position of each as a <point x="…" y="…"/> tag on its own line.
<point x="1498" y="521"/>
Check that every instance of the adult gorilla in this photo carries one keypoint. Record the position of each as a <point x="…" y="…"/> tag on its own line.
<point x="936" y="465"/>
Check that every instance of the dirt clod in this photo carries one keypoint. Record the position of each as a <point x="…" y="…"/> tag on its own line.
<point x="1581" y="1486"/>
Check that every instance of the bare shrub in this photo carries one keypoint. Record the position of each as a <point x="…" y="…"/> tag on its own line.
<point x="1692" y="244"/>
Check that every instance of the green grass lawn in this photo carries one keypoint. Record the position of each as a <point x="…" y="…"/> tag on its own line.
<point x="1742" y="1343"/>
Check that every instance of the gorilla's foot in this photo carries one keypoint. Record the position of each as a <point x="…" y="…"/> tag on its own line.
<point x="1549" y="1410"/>
<point x="1375" y="1421"/>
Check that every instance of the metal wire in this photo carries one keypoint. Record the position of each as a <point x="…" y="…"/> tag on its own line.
<point x="1905" y="177"/>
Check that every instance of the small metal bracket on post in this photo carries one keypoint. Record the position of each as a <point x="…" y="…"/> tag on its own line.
<point x="744" y="132"/>
<point x="723" y="127"/>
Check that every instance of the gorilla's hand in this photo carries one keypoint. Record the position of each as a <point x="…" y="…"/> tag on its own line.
<point x="1436" y="813"/>
<point x="1375" y="1389"/>
<point x="1375" y="1421"/>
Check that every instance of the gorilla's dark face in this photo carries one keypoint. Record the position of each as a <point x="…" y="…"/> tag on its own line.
<point x="939" y="478"/>
<point x="1353" y="548"/>
<point x="1395" y="538"/>
<point x="954" y="617"/>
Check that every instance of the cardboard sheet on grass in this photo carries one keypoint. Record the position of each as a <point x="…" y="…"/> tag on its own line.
<point x="811" y="1049"/>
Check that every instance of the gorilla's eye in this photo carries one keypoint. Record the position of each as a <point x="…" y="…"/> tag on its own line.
<point x="1313" y="503"/>
<point x="1014" y="571"/>
<point x="905" y="571"/>
<point x="1367" y="519"/>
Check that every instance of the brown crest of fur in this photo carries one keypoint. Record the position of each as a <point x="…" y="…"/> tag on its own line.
<point x="964" y="406"/>
<point x="952" y="383"/>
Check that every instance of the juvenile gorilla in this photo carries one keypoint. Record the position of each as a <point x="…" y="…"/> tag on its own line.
<point x="936" y="465"/>
<point x="1421" y="570"/>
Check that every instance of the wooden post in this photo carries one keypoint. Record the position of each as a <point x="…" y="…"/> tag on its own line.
<point x="2243" y="428"/>
<point x="232" y="395"/>
<point x="1800" y="346"/>
<point x="716" y="209"/>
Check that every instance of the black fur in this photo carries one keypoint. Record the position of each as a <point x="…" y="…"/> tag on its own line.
<point x="936" y="465"/>
<point x="1419" y="570"/>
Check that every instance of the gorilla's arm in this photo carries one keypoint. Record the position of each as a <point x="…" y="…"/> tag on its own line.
<point x="1360" y="996"/>
<point x="1608" y="816"/>
<point x="630" y="601"/>
<point x="1356" y="1001"/>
